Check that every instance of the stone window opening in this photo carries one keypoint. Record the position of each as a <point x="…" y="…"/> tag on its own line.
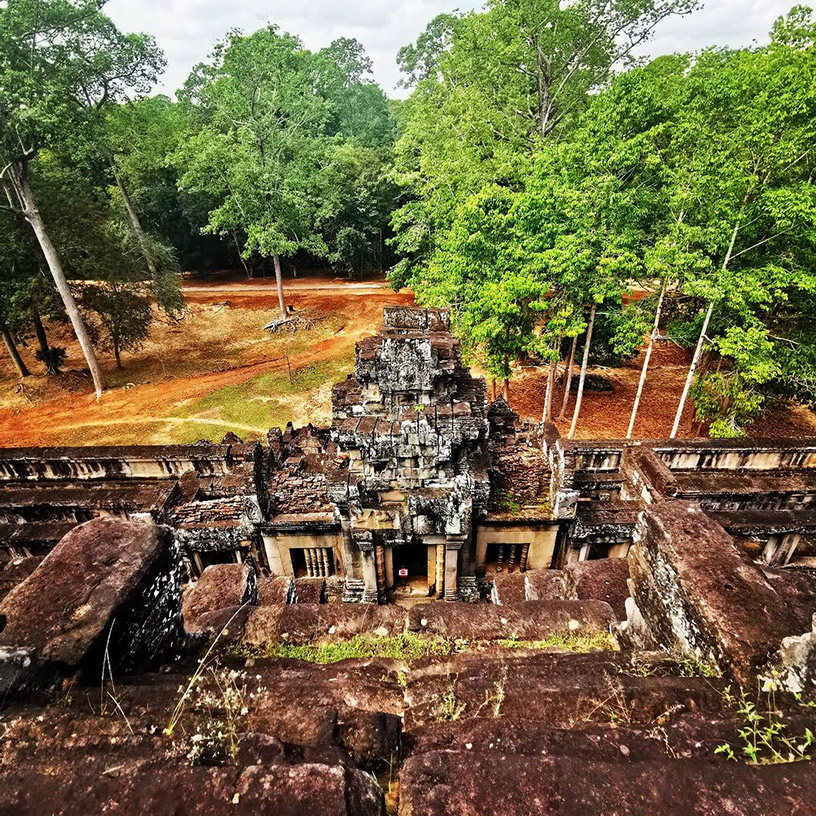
<point x="593" y="551"/>
<point x="312" y="562"/>
<point x="509" y="557"/>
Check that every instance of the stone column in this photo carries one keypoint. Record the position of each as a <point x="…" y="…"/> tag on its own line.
<point x="440" y="570"/>
<point x="452" y="547"/>
<point x="389" y="568"/>
<point x="370" y="594"/>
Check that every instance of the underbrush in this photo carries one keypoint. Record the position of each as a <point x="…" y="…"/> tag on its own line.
<point x="398" y="647"/>
<point x="764" y="737"/>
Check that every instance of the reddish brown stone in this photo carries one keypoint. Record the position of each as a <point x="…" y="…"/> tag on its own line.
<point x="220" y="586"/>
<point x="311" y="623"/>
<point x="449" y="783"/>
<point x="274" y="590"/>
<point x="604" y="579"/>
<point x="106" y="571"/>
<point x="545" y="585"/>
<point x="528" y="620"/>
<point x="699" y="594"/>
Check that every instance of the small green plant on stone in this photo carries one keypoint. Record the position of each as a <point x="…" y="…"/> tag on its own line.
<point x="764" y="741"/>
<point x="450" y="708"/>
<point x="506" y="500"/>
<point x="407" y="646"/>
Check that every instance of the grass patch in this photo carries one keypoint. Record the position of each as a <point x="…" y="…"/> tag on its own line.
<point x="263" y="401"/>
<point x="602" y="641"/>
<point x="397" y="647"/>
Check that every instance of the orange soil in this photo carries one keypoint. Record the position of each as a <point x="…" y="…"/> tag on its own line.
<point x="220" y="342"/>
<point x="605" y="414"/>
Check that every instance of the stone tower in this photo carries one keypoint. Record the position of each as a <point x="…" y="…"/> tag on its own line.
<point x="412" y="423"/>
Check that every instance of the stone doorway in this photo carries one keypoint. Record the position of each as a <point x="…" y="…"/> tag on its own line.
<point x="413" y="559"/>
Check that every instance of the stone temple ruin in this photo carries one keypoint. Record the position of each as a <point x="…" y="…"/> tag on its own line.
<point x="680" y="569"/>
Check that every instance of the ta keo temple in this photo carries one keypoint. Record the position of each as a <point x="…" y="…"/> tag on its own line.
<point x="585" y="613"/>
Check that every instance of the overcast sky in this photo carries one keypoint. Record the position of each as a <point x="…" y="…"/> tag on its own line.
<point x="187" y="29"/>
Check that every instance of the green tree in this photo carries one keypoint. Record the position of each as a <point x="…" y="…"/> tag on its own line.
<point x="492" y="87"/>
<point x="260" y="144"/>
<point x="59" y="60"/>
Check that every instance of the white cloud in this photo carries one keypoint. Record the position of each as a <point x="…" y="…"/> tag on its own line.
<point x="187" y="29"/>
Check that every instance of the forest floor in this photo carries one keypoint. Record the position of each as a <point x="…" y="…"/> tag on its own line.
<point x="606" y="414"/>
<point x="217" y="370"/>
<point x="214" y="371"/>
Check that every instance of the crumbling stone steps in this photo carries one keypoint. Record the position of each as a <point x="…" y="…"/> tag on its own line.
<point x="448" y="783"/>
<point x="557" y="689"/>
<point x="163" y="789"/>
<point x="687" y="735"/>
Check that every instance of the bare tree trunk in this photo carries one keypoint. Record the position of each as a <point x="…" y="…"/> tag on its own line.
<point x="551" y="372"/>
<point x="579" y="397"/>
<point x="700" y="342"/>
<point x="32" y="215"/>
<point x="135" y="222"/>
<point x="42" y="340"/>
<point x="279" y="280"/>
<point x="692" y="368"/>
<point x="568" y="382"/>
<point x="12" y="350"/>
<point x="642" y="381"/>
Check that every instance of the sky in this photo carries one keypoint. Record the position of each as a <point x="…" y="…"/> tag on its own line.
<point x="187" y="29"/>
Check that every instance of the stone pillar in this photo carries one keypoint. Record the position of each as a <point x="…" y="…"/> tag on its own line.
<point x="370" y="594"/>
<point x="440" y="570"/>
<point x="452" y="548"/>
<point x="389" y="568"/>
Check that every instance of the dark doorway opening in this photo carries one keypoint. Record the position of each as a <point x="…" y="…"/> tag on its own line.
<point x="411" y="569"/>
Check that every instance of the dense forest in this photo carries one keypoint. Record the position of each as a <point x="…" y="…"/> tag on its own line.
<point x="565" y="198"/>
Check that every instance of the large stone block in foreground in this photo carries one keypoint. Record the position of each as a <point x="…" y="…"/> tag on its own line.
<point x="456" y="783"/>
<point x="107" y="574"/>
<point x="220" y="586"/>
<point x="700" y="596"/>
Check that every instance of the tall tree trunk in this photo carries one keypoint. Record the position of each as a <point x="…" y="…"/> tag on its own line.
<point x="12" y="350"/>
<point x="697" y="351"/>
<point x="42" y="339"/>
<point x="32" y="215"/>
<point x="579" y="397"/>
<point x="551" y="372"/>
<point x="135" y="223"/>
<point x="279" y="281"/>
<point x="642" y="381"/>
<point x="116" y="353"/>
<point x="692" y="368"/>
<point x="568" y="382"/>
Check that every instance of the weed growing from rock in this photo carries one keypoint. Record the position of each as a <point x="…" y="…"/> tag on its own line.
<point x="450" y="708"/>
<point x="220" y="700"/>
<point x="764" y="741"/>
